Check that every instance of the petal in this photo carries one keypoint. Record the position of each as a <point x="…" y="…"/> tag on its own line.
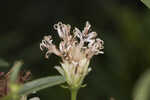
<point x="77" y="33"/>
<point x="60" y="70"/>
<point x="86" y="28"/>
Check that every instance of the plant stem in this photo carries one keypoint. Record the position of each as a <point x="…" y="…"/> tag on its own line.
<point x="74" y="94"/>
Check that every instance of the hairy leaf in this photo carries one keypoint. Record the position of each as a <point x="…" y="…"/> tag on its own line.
<point x="40" y="84"/>
<point x="146" y="2"/>
<point x="142" y="88"/>
<point x="3" y="63"/>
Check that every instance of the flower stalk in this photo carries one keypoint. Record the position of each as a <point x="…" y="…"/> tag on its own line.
<point x="74" y="94"/>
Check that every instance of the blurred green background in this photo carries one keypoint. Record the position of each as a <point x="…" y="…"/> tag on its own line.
<point x="122" y="24"/>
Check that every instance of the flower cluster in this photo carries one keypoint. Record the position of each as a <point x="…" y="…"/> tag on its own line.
<point x="76" y="49"/>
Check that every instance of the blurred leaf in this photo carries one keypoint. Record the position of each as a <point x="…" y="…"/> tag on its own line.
<point x="40" y="84"/>
<point x="10" y="96"/>
<point x="14" y="87"/>
<point x="15" y="70"/>
<point x="6" y="98"/>
<point x="142" y="88"/>
<point x="3" y="63"/>
<point x="146" y="2"/>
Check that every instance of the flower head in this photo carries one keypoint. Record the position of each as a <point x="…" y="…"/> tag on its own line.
<point x="76" y="49"/>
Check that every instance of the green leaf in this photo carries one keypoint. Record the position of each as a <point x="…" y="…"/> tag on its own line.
<point x="3" y="63"/>
<point x="146" y="2"/>
<point x="142" y="88"/>
<point x="15" y="70"/>
<point x="40" y="84"/>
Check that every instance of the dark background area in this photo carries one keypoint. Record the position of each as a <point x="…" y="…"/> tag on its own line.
<point x="122" y="24"/>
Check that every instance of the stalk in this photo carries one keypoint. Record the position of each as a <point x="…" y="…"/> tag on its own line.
<point x="74" y="93"/>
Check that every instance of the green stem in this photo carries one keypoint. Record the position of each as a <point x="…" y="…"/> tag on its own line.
<point x="74" y="94"/>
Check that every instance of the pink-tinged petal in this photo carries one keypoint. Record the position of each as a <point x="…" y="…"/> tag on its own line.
<point x="86" y="28"/>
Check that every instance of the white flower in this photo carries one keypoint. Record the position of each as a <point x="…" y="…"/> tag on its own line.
<point x="76" y="49"/>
